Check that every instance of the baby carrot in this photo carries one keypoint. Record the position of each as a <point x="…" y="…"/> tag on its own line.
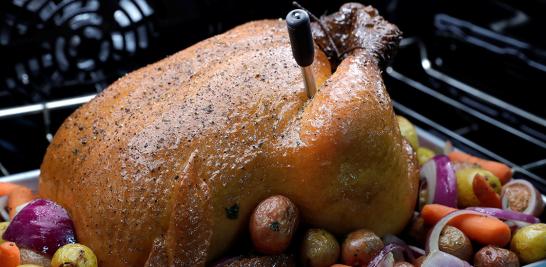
<point x="6" y="188"/>
<point x="481" y="228"/>
<point x="485" y="194"/>
<point x="502" y="171"/>
<point x="9" y="255"/>
<point x="18" y="196"/>
<point x="432" y="213"/>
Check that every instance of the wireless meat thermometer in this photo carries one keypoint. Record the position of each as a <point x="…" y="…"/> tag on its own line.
<point x="301" y="40"/>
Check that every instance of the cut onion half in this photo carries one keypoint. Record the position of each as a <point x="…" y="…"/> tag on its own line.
<point x="535" y="204"/>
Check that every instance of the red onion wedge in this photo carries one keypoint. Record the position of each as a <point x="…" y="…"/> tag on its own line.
<point x="42" y="226"/>
<point x="436" y="257"/>
<point x="404" y="252"/>
<point x="521" y="192"/>
<point x="506" y="214"/>
<point x="385" y="257"/>
<point x="441" y="182"/>
<point x="388" y="238"/>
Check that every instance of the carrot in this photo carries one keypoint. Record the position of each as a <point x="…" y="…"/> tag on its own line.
<point x="6" y="188"/>
<point x="18" y="196"/>
<point x="432" y="213"/>
<point x="502" y="171"/>
<point x="481" y="228"/>
<point x="10" y="256"/>
<point x="485" y="194"/>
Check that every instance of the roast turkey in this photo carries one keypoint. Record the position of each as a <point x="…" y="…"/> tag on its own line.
<point x="164" y="167"/>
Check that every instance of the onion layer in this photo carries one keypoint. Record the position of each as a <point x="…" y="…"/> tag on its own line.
<point x="443" y="259"/>
<point x="506" y="214"/>
<point x="384" y="254"/>
<point x="441" y="181"/>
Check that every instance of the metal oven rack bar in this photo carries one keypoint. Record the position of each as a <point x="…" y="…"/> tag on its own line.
<point x="43" y="108"/>
<point x="498" y="104"/>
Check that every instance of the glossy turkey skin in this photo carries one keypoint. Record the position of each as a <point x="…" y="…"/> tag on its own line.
<point x="164" y="167"/>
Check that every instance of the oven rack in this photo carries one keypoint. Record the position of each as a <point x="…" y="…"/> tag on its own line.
<point x="483" y="107"/>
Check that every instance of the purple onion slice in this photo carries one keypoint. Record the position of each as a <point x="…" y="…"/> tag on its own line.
<point x="441" y="181"/>
<point x="42" y="226"/>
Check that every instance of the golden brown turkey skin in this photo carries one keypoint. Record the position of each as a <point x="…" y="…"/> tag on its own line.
<point x="164" y="167"/>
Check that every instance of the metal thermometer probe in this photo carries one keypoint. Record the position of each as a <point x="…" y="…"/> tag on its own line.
<point x="301" y="40"/>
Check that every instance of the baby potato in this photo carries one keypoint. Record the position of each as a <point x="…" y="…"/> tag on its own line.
<point x="273" y="224"/>
<point x="456" y="243"/>
<point x="319" y="249"/>
<point x="408" y="131"/>
<point x="74" y="255"/>
<point x="529" y="243"/>
<point x="360" y="247"/>
<point x="491" y="256"/>
<point x="3" y="227"/>
<point x="465" y="191"/>
<point x="424" y="154"/>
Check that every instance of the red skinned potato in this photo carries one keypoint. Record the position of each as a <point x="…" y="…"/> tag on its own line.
<point x="456" y="243"/>
<point x="318" y="249"/>
<point x="491" y="256"/>
<point x="360" y="247"/>
<point x="273" y="224"/>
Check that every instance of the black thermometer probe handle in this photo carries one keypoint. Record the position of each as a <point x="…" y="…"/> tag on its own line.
<point x="303" y="50"/>
<point x="299" y="30"/>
